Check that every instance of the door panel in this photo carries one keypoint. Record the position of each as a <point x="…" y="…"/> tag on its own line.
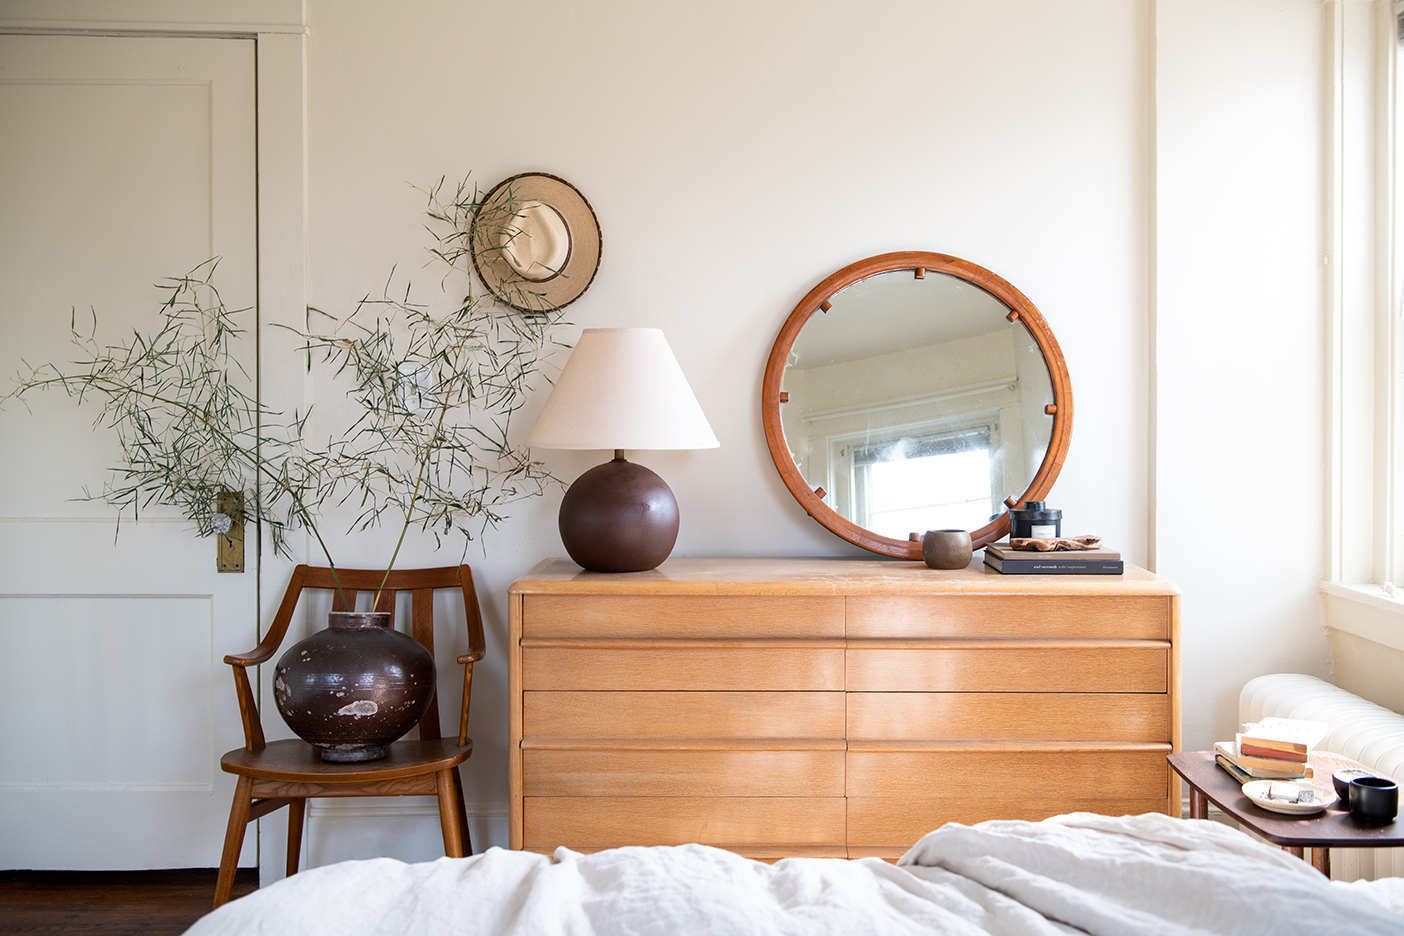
<point x="122" y="161"/>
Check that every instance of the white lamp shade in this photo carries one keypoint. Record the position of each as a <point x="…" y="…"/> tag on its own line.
<point x="622" y="389"/>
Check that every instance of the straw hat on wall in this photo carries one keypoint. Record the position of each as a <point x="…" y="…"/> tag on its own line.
<point x="536" y="242"/>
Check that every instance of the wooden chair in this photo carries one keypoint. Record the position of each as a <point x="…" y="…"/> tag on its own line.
<point x="286" y="773"/>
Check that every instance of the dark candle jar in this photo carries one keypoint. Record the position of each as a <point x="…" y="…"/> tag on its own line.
<point x="1035" y="520"/>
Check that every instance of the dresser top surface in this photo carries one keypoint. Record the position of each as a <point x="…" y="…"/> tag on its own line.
<point x="825" y="576"/>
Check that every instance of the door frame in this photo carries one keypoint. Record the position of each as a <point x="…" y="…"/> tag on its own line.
<point x="280" y="56"/>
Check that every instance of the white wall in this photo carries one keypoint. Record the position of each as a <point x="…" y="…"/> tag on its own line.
<point x="1241" y="293"/>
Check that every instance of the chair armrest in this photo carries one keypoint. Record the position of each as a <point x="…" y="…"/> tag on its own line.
<point x="470" y="657"/>
<point x="260" y="654"/>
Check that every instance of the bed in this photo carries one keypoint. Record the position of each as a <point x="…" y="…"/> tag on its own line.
<point x="1081" y="872"/>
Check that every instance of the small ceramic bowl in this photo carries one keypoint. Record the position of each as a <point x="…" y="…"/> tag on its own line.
<point x="1341" y="780"/>
<point x="946" y="549"/>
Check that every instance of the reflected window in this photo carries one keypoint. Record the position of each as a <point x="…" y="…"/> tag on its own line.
<point x="932" y="482"/>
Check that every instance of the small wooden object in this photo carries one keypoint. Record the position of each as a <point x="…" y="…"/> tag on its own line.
<point x="286" y="773"/>
<point x="1055" y="543"/>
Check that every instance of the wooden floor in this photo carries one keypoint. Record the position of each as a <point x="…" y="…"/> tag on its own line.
<point x="112" y="903"/>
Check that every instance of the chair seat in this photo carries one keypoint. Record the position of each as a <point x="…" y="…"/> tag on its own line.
<point x="294" y="760"/>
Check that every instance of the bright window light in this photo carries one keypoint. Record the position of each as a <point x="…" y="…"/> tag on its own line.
<point x="935" y="492"/>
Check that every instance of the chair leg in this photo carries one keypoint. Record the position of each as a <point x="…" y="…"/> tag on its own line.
<point x="462" y="812"/>
<point x="233" y="840"/>
<point x="449" y="816"/>
<point x="297" y="810"/>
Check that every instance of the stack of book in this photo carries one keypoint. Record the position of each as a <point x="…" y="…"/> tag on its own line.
<point x="1002" y="558"/>
<point x="1272" y="749"/>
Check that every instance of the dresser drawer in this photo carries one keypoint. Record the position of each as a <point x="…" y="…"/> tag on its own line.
<point x="1008" y="716"/>
<point x="683" y="714"/>
<point x="664" y="771"/>
<point x="610" y="821"/>
<point x="1008" y="666"/>
<point x="686" y="665"/>
<point x="683" y="616"/>
<point x="886" y="826"/>
<point x="1007" y="774"/>
<point x="1128" y="617"/>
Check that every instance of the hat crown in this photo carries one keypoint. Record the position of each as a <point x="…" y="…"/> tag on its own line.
<point x="535" y="242"/>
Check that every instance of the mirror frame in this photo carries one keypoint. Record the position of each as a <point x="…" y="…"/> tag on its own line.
<point x="920" y="263"/>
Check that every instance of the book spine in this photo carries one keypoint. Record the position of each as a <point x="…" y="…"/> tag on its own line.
<point x="1266" y="768"/>
<point x="1259" y="773"/>
<point x="1256" y="750"/>
<point x="1267" y="763"/>
<point x="1289" y="747"/>
<point x="1035" y="567"/>
<point x="1233" y="771"/>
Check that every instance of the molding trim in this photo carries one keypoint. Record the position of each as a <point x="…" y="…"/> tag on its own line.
<point x="149" y="30"/>
<point x="209" y="18"/>
<point x="1365" y="611"/>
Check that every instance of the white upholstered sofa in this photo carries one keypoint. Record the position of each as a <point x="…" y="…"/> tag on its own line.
<point x="1360" y="730"/>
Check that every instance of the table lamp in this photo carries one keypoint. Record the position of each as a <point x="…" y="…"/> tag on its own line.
<point x="621" y="389"/>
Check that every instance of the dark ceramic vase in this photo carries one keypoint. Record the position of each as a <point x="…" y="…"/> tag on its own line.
<point x="354" y="687"/>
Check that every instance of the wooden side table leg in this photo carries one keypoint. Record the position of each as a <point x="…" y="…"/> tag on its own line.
<point x="1199" y="803"/>
<point x="1294" y="850"/>
<point x="1321" y="860"/>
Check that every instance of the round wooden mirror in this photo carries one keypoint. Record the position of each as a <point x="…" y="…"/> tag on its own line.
<point x="916" y="391"/>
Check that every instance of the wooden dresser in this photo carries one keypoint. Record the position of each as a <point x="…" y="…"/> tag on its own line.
<point x="832" y="707"/>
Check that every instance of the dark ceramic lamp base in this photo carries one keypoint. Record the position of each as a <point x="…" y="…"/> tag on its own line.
<point x="619" y="517"/>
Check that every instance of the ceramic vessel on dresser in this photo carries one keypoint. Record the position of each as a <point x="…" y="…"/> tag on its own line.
<point x="837" y="707"/>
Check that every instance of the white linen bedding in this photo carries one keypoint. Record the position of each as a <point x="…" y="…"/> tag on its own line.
<point x="1077" y="873"/>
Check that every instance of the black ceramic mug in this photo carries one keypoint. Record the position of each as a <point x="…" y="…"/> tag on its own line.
<point x="1374" y="799"/>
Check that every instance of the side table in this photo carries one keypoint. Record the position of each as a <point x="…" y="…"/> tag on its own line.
<point x="1334" y="828"/>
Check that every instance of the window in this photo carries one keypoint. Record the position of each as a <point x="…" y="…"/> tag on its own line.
<point x="933" y="482"/>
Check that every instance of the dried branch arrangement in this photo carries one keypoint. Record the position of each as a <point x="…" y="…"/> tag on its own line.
<point x="428" y="449"/>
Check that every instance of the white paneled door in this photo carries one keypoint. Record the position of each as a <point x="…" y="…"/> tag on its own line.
<point x="122" y="161"/>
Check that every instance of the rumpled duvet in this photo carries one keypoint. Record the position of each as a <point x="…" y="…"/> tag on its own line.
<point x="1078" y="873"/>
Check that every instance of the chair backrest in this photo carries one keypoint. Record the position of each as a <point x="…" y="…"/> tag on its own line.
<point x="421" y="583"/>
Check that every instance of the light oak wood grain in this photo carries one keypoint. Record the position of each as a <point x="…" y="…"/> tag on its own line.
<point x="700" y="667"/>
<point x="682" y="575"/>
<point x="1145" y="617"/>
<point x="1012" y="774"/>
<point x="886" y="826"/>
<point x="609" y="821"/>
<point x="685" y="616"/>
<point x="1008" y="716"/>
<point x="683" y="773"/>
<point x="1064" y="689"/>
<point x="683" y="714"/>
<point x="1081" y="666"/>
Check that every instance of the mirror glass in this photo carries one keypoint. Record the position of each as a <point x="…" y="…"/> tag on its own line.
<point x="914" y="403"/>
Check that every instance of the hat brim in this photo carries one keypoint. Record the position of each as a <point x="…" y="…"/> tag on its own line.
<point x="578" y="271"/>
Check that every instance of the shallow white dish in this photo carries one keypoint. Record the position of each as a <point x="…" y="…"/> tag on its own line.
<point x="1258" y="791"/>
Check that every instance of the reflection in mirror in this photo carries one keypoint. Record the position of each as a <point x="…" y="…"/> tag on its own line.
<point x="916" y="404"/>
